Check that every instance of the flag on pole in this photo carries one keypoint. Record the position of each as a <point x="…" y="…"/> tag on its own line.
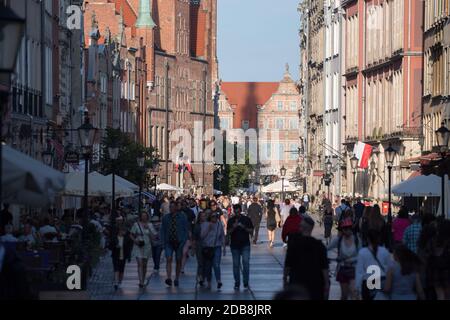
<point x="363" y="151"/>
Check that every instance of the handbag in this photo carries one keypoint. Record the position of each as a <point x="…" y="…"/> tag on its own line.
<point x="370" y="294"/>
<point x="141" y="243"/>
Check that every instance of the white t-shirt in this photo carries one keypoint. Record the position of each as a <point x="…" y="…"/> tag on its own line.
<point x="234" y="200"/>
<point x="285" y="211"/>
<point x="305" y="198"/>
<point x="47" y="229"/>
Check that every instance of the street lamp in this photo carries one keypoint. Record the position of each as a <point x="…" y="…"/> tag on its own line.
<point x="442" y="137"/>
<point x="141" y="164"/>
<point x="11" y="31"/>
<point x="86" y="134"/>
<point x="389" y="155"/>
<point x="113" y="151"/>
<point x="354" y="164"/>
<point x="282" y="174"/>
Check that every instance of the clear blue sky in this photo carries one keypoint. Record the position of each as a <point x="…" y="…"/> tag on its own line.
<point x="256" y="38"/>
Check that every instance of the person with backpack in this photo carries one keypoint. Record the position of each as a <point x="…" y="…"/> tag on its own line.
<point x="373" y="257"/>
<point x="347" y="245"/>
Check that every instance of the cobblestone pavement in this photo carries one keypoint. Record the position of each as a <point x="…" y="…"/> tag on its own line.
<point x="266" y="272"/>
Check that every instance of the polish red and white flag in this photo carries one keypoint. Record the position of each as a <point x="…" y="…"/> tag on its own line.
<point x="363" y="151"/>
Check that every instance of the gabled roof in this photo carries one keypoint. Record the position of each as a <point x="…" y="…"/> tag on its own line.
<point x="246" y="96"/>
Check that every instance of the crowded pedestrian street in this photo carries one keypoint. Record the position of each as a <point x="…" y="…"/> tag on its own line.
<point x="266" y="265"/>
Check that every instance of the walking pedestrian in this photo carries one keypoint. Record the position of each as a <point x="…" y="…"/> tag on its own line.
<point x="399" y="225"/>
<point x="273" y="220"/>
<point x="174" y="234"/>
<point x="402" y="278"/>
<point x="190" y="216"/>
<point x="213" y="237"/>
<point x="307" y="263"/>
<point x="412" y="233"/>
<point x="348" y="246"/>
<point x="121" y="246"/>
<point x="292" y="224"/>
<point x="368" y="257"/>
<point x="140" y="234"/>
<point x="239" y="229"/>
<point x="284" y="210"/>
<point x="327" y="223"/>
<point x="155" y="231"/>
<point x="255" y="213"/>
<point x="358" y="209"/>
<point x="198" y="246"/>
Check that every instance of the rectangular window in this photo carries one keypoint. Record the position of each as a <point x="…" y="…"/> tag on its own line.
<point x="224" y="123"/>
<point x="293" y="106"/>
<point x="245" y="124"/>
<point x="293" y="123"/>
<point x="279" y="123"/>
<point x="292" y="151"/>
<point x="281" y="155"/>
<point x="280" y="105"/>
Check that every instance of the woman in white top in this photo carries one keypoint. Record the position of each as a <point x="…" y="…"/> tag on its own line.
<point x="142" y="249"/>
<point x="371" y="267"/>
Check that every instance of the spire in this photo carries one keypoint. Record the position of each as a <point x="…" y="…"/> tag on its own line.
<point x="145" y="15"/>
<point x="287" y="75"/>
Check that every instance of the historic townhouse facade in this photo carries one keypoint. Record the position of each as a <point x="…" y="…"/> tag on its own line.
<point x="312" y="82"/>
<point x="273" y="110"/>
<point x="168" y="79"/>
<point x="436" y="91"/>
<point x="383" y="81"/>
<point x="332" y="69"/>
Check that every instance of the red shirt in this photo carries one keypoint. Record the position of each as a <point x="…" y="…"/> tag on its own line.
<point x="291" y="225"/>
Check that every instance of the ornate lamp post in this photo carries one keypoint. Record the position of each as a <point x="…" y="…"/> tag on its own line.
<point x="87" y="134"/>
<point x="442" y="137"/>
<point x="11" y="31"/>
<point x="113" y="155"/>
<point x="282" y="174"/>
<point x="141" y="164"/>
<point x="389" y="155"/>
<point x="354" y="164"/>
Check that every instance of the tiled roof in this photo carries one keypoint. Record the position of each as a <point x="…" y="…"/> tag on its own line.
<point x="245" y="96"/>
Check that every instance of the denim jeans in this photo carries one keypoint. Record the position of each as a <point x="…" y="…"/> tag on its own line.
<point x="156" y="254"/>
<point x="213" y="263"/>
<point x="237" y="253"/>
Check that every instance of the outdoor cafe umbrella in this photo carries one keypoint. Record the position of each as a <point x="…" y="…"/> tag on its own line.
<point x="419" y="186"/>
<point x="124" y="182"/>
<point x="167" y="187"/>
<point x="98" y="186"/>
<point x="27" y="181"/>
<point x="276" y="187"/>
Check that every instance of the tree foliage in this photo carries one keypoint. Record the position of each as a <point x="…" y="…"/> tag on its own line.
<point x="129" y="151"/>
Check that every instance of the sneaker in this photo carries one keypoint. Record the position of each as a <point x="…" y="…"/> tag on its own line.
<point x="219" y="285"/>
<point x="236" y="286"/>
<point x="201" y="283"/>
<point x="176" y="283"/>
<point x="169" y="282"/>
<point x="246" y="286"/>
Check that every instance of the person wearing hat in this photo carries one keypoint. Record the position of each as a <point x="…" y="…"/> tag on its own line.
<point x="347" y="245"/>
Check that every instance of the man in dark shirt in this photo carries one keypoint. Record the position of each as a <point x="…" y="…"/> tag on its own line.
<point x="358" y="208"/>
<point x="240" y="228"/>
<point x="255" y="213"/>
<point x="307" y="263"/>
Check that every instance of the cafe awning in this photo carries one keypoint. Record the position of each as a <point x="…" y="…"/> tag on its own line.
<point x="27" y="181"/>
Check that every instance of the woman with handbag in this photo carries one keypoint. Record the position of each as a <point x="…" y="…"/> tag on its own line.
<point x="213" y="237"/>
<point x="348" y="246"/>
<point x="140" y="234"/>
<point x="371" y="267"/>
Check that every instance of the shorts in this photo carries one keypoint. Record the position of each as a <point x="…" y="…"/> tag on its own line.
<point x="169" y="250"/>
<point x="345" y="274"/>
<point x="119" y="265"/>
